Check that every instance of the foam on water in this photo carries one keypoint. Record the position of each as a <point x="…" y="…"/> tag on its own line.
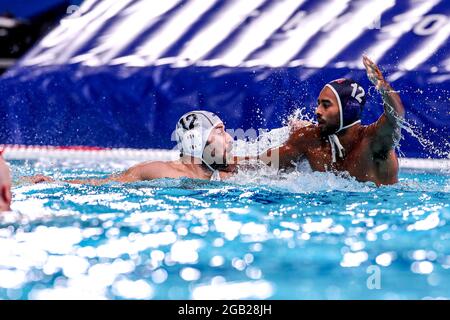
<point x="295" y="235"/>
<point x="261" y="234"/>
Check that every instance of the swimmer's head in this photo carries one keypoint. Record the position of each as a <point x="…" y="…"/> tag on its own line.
<point x="201" y="134"/>
<point x="340" y="105"/>
<point x="5" y="187"/>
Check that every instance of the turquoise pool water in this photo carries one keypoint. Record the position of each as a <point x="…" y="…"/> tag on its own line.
<point x="258" y="236"/>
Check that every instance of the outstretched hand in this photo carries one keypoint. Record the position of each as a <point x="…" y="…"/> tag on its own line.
<point x="374" y="74"/>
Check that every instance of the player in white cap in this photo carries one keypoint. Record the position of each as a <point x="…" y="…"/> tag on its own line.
<point x="205" y="148"/>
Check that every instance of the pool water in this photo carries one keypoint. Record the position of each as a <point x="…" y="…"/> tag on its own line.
<point x="301" y="235"/>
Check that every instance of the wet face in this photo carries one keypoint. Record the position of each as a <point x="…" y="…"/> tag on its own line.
<point x="219" y="145"/>
<point x="327" y="112"/>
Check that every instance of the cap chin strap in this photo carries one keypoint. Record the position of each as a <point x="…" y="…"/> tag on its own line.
<point x="333" y="138"/>
<point x="215" y="173"/>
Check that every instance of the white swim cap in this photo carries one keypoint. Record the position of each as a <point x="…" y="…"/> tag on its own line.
<point x="193" y="131"/>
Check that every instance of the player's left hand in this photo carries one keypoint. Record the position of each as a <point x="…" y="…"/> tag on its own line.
<point x="374" y="74"/>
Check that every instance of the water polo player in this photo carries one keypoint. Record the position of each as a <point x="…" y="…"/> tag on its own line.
<point x="204" y="147"/>
<point x="339" y="142"/>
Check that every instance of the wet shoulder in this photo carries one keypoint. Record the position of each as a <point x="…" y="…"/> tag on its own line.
<point x="149" y="165"/>
<point x="172" y="166"/>
<point x="158" y="169"/>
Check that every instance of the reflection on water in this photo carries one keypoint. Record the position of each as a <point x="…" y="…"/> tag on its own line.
<point x="303" y="235"/>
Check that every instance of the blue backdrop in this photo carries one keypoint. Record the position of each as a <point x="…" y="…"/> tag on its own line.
<point x="28" y="9"/>
<point x="120" y="73"/>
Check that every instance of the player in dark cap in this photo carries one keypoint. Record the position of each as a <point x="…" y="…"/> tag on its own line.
<point x="339" y="142"/>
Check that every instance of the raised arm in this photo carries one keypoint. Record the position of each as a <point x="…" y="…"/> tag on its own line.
<point x="385" y="132"/>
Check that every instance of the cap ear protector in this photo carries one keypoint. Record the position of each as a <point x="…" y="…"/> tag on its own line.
<point x="192" y="143"/>
<point x="351" y="99"/>
<point x="193" y="130"/>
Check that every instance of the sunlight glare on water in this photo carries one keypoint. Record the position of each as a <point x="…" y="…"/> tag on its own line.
<point x="303" y="235"/>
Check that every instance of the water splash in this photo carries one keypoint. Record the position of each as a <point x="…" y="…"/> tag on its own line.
<point x="267" y="139"/>
<point x="416" y="133"/>
<point x="184" y="238"/>
<point x="442" y="151"/>
<point x="301" y="180"/>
